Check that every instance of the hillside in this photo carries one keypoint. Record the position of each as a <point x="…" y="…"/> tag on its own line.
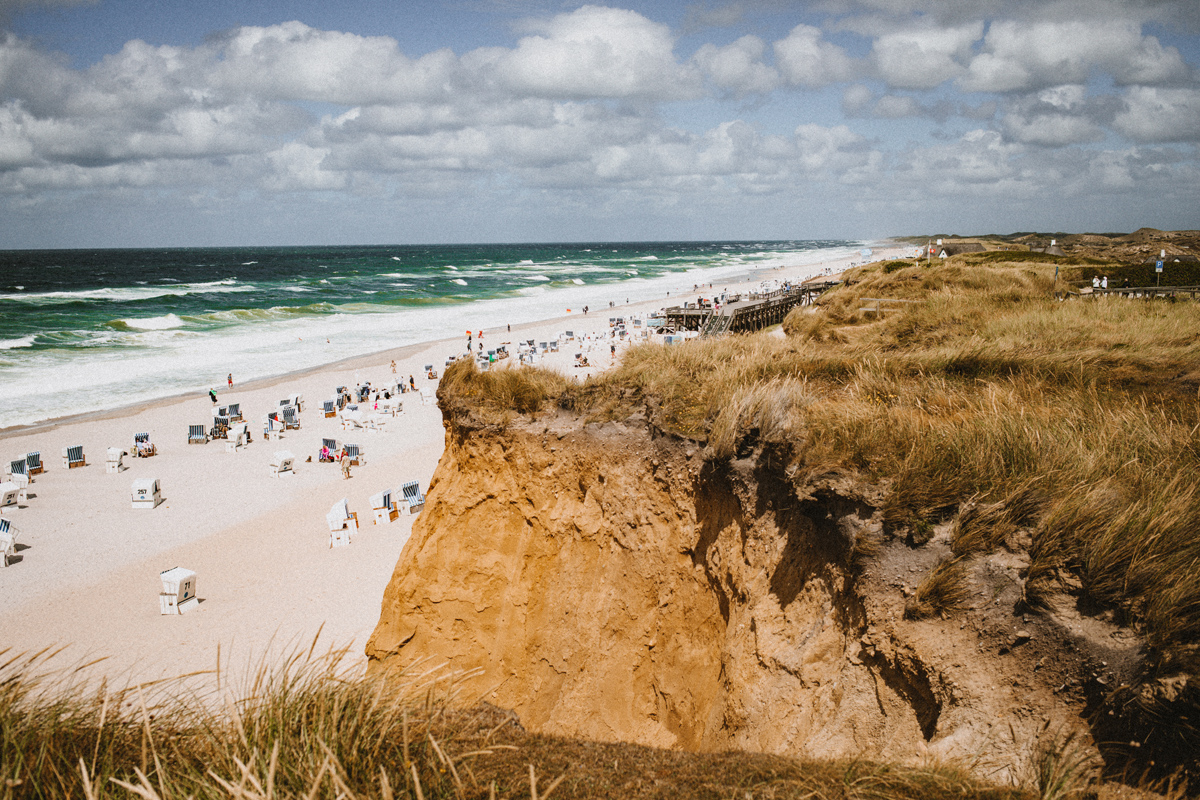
<point x="957" y="531"/>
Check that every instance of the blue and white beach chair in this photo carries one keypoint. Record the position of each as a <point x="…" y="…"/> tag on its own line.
<point x="412" y="501"/>
<point x="73" y="457"/>
<point x="8" y="541"/>
<point x="33" y="463"/>
<point x="196" y="435"/>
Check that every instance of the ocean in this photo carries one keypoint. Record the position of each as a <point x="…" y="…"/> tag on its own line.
<point x="86" y="330"/>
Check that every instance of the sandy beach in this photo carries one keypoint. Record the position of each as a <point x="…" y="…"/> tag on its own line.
<point x="87" y="573"/>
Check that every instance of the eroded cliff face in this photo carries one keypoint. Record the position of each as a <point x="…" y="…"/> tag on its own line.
<point x="606" y="581"/>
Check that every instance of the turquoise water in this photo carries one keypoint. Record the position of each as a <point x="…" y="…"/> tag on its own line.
<point x="85" y="330"/>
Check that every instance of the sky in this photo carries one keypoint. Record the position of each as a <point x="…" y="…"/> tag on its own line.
<point x="143" y="123"/>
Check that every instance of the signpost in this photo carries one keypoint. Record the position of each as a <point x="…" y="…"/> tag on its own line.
<point x="1158" y="267"/>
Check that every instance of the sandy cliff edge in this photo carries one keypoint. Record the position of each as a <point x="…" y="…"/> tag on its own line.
<point x="604" y="580"/>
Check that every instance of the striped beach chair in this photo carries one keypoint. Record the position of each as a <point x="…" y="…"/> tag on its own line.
<point x="142" y="448"/>
<point x="220" y="428"/>
<point x="73" y="457"/>
<point x="18" y="467"/>
<point x="355" y="454"/>
<point x="330" y="407"/>
<point x="333" y="446"/>
<point x="8" y="541"/>
<point x="290" y="420"/>
<point x="235" y="412"/>
<point x="412" y="501"/>
<point x="196" y="435"/>
<point x="33" y="463"/>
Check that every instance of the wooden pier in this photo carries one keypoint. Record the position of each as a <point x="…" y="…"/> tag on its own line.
<point x="742" y="313"/>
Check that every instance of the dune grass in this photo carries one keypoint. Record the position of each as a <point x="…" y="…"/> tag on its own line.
<point x="306" y="728"/>
<point x="1066" y="428"/>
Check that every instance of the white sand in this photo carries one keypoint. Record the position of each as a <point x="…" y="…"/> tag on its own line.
<point x="87" y="577"/>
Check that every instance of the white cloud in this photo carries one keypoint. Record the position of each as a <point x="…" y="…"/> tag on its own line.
<point x="804" y="58"/>
<point x="924" y="58"/>
<point x="1021" y="56"/>
<point x="1160" y="115"/>
<point x="857" y="99"/>
<point x="892" y="106"/>
<point x="590" y="52"/>
<point x="738" y="66"/>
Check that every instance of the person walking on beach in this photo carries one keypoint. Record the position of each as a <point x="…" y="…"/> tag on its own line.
<point x="231" y="380"/>
<point x="393" y="366"/>
<point x="213" y="394"/>
<point x="344" y="460"/>
<point x="412" y="385"/>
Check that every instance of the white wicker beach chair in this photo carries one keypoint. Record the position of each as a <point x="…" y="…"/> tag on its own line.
<point x="281" y="463"/>
<point x="355" y="454"/>
<point x="196" y="435"/>
<point x="33" y="463"/>
<point x="383" y="508"/>
<point x="342" y="523"/>
<point x="112" y="460"/>
<point x="145" y="493"/>
<point x="178" y="595"/>
<point x="10" y="494"/>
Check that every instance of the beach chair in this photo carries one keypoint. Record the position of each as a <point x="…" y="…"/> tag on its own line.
<point x="112" y="460"/>
<point x="333" y="446"/>
<point x="236" y="438"/>
<point x="17" y="467"/>
<point x="178" y="595"/>
<point x="281" y="463"/>
<point x="411" y="500"/>
<point x="22" y="481"/>
<point x="33" y="463"/>
<point x="342" y="523"/>
<point x="296" y="400"/>
<point x="10" y="494"/>
<point x="330" y="407"/>
<point x="290" y="420"/>
<point x="73" y="457"/>
<point x="355" y="454"/>
<point x="220" y="428"/>
<point x="196" y="435"/>
<point x="554" y="346"/>
<point x="427" y="397"/>
<point x="142" y="448"/>
<point x="383" y="508"/>
<point x="271" y="426"/>
<point x="8" y="541"/>
<point x="145" y="493"/>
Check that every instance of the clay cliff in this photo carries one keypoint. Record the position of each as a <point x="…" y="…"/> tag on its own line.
<point x="606" y="580"/>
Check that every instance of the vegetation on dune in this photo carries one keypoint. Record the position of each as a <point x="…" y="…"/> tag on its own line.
<point x="1072" y="425"/>
<point x="306" y="729"/>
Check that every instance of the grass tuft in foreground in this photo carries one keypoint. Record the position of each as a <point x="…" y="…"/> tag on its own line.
<point x="307" y="729"/>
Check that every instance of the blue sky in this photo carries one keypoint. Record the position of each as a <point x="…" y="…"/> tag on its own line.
<point x="137" y="123"/>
